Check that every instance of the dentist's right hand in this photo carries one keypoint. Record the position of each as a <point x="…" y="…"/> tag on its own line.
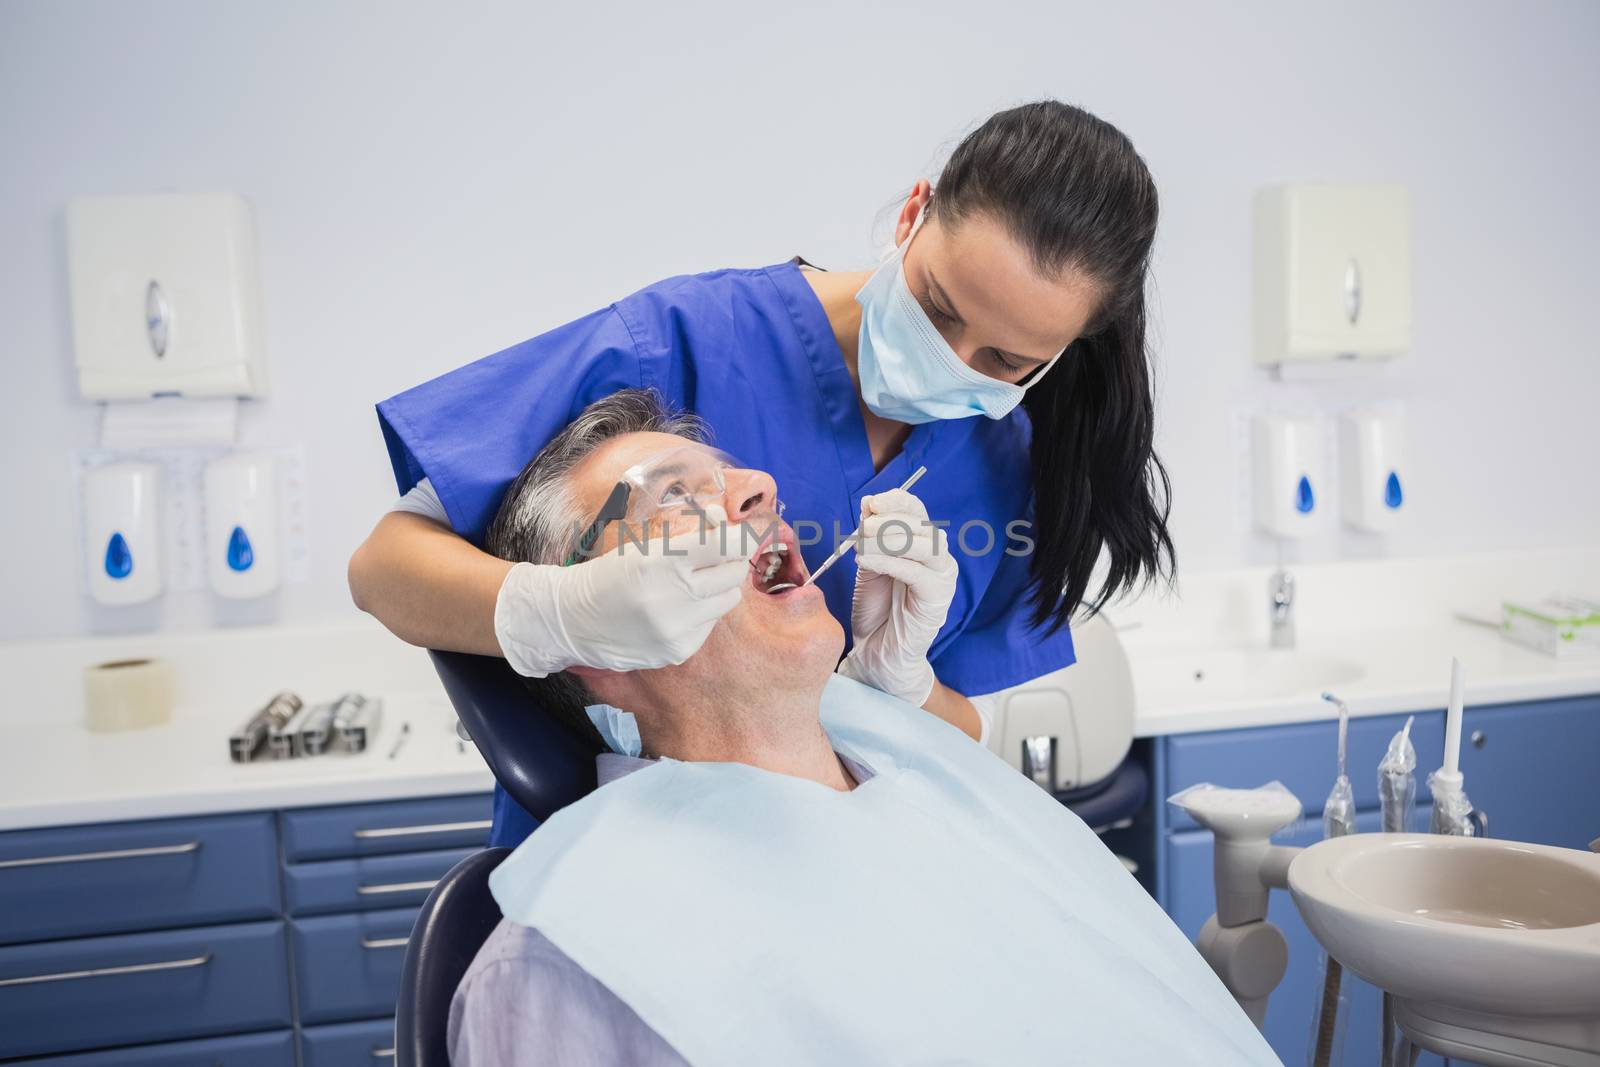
<point x="628" y="609"/>
<point x="901" y="597"/>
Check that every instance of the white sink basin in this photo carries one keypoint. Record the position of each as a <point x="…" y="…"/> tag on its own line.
<point x="1492" y="947"/>
<point x="1243" y="674"/>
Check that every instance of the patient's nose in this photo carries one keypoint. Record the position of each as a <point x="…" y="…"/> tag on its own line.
<point x="748" y="492"/>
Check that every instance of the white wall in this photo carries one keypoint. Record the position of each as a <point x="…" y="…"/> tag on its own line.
<point x="431" y="186"/>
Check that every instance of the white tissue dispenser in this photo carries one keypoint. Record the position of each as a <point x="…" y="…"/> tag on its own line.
<point x="1372" y="470"/>
<point x="122" y="532"/>
<point x="1285" y="463"/>
<point x="242" y="553"/>
<point x="166" y="296"/>
<point x="1332" y="273"/>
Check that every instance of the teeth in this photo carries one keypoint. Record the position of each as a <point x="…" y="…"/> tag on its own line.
<point x="774" y="556"/>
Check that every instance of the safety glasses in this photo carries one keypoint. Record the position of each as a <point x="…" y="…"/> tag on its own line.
<point x="685" y="479"/>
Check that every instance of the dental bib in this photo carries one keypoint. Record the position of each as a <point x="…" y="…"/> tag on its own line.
<point x="946" y="911"/>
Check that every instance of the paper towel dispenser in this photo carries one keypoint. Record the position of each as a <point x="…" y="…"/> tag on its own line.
<point x="1332" y="273"/>
<point x="166" y="296"/>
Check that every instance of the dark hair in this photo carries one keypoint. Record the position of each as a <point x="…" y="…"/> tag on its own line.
<point x="539" y="522"/>
<point x="1071" y="189"/>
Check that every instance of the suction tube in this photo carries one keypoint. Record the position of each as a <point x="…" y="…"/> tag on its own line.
<point x="1397" y="798"/>
<point x="1338" y="819"/>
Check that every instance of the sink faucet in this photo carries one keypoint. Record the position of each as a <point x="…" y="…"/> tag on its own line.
<point x="1281" y="588"/>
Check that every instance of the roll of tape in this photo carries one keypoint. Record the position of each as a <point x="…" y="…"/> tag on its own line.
<point x="127" y="694"/>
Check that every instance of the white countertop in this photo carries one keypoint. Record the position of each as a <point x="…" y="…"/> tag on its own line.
<point x="1402" y="670"/>
<point x="54" y="772"/>
<point x="1378" y="634"/>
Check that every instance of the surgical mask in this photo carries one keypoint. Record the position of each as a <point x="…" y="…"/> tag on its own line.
<point x="618" y="728"/>
<point x="909" y="373"/>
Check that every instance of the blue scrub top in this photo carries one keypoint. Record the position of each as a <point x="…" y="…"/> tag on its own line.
<point x="752" y="353"/>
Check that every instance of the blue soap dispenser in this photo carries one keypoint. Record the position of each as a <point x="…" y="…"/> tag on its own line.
<point x="1285" y="461"/>
<point x="242" y="526"/>
<point x="122" y="532"/>
<point x="1372" y="470"/>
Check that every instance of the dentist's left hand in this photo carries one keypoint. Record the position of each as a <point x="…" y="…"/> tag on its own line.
<point x="901" y="597"/>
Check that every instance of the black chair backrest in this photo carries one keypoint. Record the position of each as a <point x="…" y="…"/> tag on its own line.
<point x="541" y="765"/>
<point x="454" y="922"/>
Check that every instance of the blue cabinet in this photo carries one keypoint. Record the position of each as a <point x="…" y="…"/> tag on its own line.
<point x="1528" y="766"/>
<point x="275" y="1049"/>
<point x="363" y="1044"/>
<point x="137" y="876"/>
<point x="381" y="829"/>
<point x="57" y="996"/>
<point x="1531" y="767"/>
<point x="348" y="966"/>
<point x="368" y="883"/>
<point x="180" y="936"/>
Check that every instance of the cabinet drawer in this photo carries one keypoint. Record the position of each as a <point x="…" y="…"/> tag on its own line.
<point x="137" y="876"/>
<point x="364" y="1044"/>
<point x="1301" y="756"/>
<point x="61" y="996"/>
<point x="248" y="1050"/>
<point x="348" y="966"/>
<point x="369" y="883"/>
<point x="380" y="829"/>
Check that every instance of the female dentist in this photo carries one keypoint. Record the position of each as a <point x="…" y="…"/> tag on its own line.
<point x="1018" y="281"/>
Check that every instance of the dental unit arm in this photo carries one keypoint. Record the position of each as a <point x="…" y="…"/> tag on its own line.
<point x="1246" y="951"/>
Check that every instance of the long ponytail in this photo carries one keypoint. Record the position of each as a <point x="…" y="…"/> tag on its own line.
<point x="1072" y="189"/>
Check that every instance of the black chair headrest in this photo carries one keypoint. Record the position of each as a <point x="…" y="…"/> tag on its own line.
<point x="541" y="765"/>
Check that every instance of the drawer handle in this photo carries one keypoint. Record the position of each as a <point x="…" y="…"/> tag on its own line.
<point x="384" y="942"/>
<point x="383" y="1053"/>
<point x="107" y="972"/>
<point x="90" y="857"/>
<point x="396" y="887"/>
<point x="435" y="828"/>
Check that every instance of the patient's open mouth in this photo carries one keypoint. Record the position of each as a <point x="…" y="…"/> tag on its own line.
<point x="776" y="567"/>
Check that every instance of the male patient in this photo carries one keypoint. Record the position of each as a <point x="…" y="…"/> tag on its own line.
<point x="796" y="868"/>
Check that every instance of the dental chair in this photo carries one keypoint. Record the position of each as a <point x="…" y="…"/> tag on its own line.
<point x="1084" y="716"/>
<point x="1070" y="731"/>
<point x="543" y="768"/>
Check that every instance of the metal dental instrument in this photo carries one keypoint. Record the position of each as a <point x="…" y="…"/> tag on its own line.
<point x="399" y="742"/>
<point x="850" y="542"/>
<point x="249" y="741"/>
<point x="355" y="722"/>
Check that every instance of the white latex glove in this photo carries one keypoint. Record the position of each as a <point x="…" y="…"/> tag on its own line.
<point x="620" y="611"/>
<point x="901" y="597"/>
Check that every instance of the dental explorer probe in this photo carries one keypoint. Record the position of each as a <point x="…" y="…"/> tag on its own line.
<point x="850" y="542"/>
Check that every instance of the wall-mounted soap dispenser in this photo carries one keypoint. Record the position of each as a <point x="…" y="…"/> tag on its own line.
<point x="1372" y="469"/>
<point x="122" y="532"/>
<point x="1332" y="267"/>
<point x="1285" y="461"/>
<point x="242" y="526"/>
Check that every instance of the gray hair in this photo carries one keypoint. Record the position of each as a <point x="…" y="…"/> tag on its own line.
<point x="540" y="520"/>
